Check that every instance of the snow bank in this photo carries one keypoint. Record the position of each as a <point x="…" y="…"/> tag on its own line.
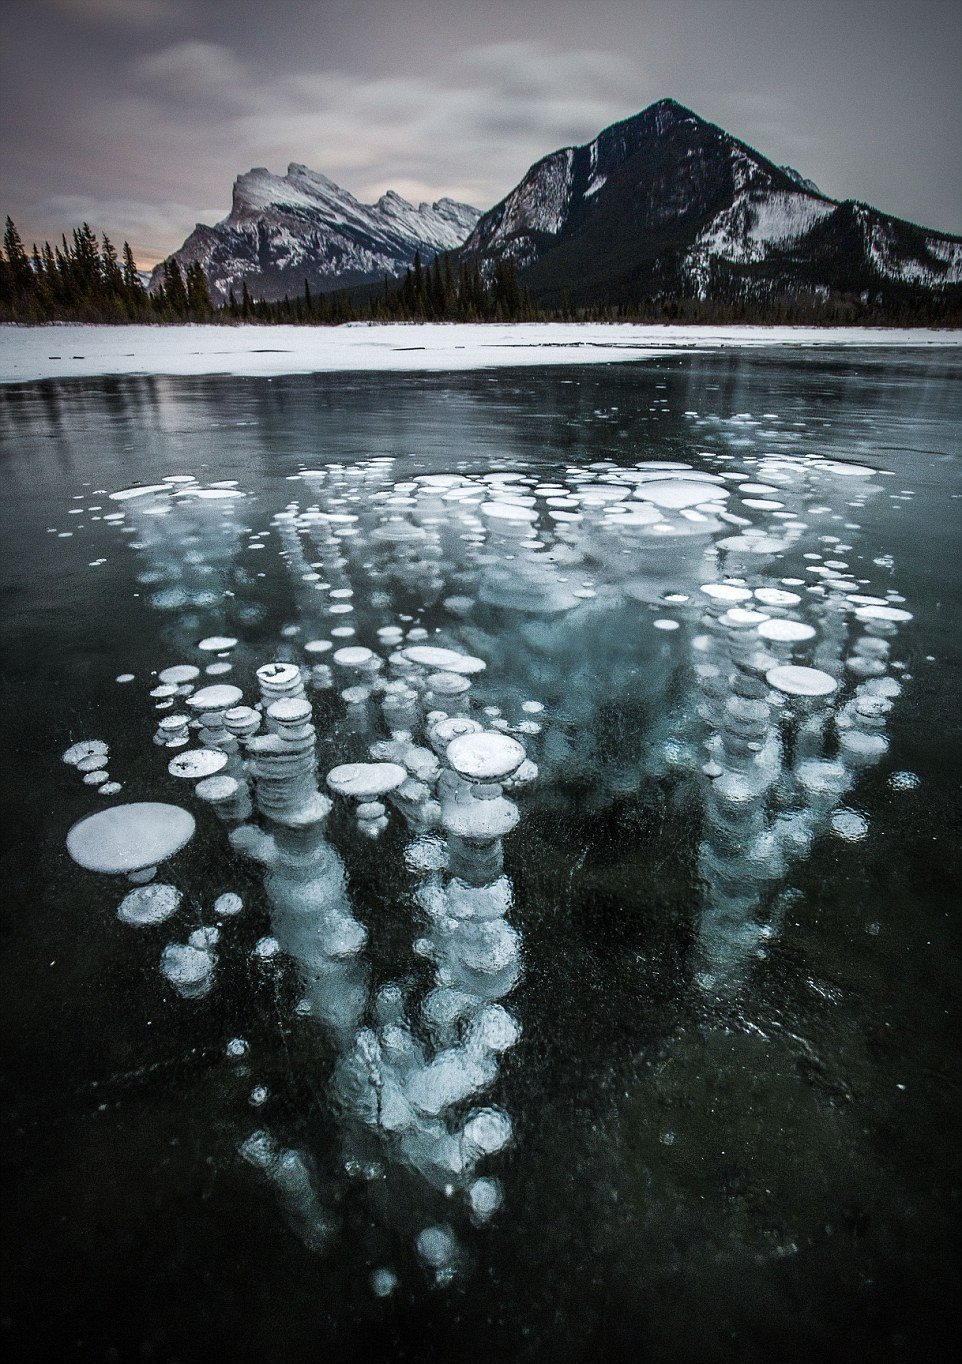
<point x="59" y="352"/>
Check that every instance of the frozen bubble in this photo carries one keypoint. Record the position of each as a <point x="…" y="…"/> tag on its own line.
<point x="221" y="696"/>
<point x="259" y="1149"/>
<point x="197" y="763"/>
<point x="725" y="592"/>
<point x="892" y="614"/>
<point x="437" y="1246"/>
<point x="775" y="596"/>
<point x="236" y="1048"/>
<point x="494" y="1028"/>
<point x="266" y="948"/>
<point x="353" y="656"/>
<point x="318" y="646"/>
<point x="217" y="644"/>
<point x="258" y="1096"/>
<point x="218" y="669"/>
<point x="665" y="623"/>
<point x="485" y="756"/>
<point x="365" y="781"/>
<point x="797" y="681"/>
<point x="443" y="660"/>
<point x="204" y="938"/>
<point x="507" y="512"/>
<point x="488" y="1130"/>
<point x="675" y="493"/>
<point x="189" y="969"/>
<point x="904" y="781"/>
<point x="849" y="824"/>
<point x="228" y="904"/>
<point x="485" y="1196"/>
<point x="109" y="788"/>
<point x="785" y="631"/>
<point x="150" y="904"/>
<point x="383" y="1282"/>
<point x="129" y="838"/>
<point x="86" y="748"/>
<point x="94" y="763"/>
<point x="179" y="674"/>
<point x="426" y="854"/>
<point x="124" y="677"/>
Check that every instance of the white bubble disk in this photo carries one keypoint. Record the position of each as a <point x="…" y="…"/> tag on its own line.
<point x="485" y="756"/>
<point x="217" y="644"/>
<point x="221" y="696"/>
<point x="725" y="592"/>
<point x="383" y="1282"/>
<point x="785" y="631"/>
<point x="485" y="1196"/>
<point x="364" y="781"/>
<point x="150" y="904"/>
<point x="189" y="969"/>
<point x="797" y="681"/>
<point x="86" y="748"/>
<point x="436" y="1245"/>
<point x="775" y="596"/>
<point x="129" y="838"/>
<point x="180" y="673"/>
<point x="443" y="660"/>
<point x="849" y="824"/>
<point x="665" y="624"/>
<point x="124" y="677"/>
<point x="675" y="493"/>
<point x="197" y="763"/>
<point x="227" y="904"/>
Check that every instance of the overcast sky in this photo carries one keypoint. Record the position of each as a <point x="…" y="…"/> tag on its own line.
<point x="137" y="114"/>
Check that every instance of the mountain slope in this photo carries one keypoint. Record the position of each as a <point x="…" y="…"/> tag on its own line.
<point x="665" y="204"/>
<point x="282" y="230"/>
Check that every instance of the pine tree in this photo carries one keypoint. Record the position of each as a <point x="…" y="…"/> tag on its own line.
<point x="21" y="275"/>
<point x="174" y="287"/>
<point x="198" y="292"/>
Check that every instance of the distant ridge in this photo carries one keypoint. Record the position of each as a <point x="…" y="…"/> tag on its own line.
<point x="659" y="206"/>
<point x="666" y="204"/>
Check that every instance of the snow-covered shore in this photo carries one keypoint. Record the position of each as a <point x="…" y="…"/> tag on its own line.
<point x="59" y="352"/>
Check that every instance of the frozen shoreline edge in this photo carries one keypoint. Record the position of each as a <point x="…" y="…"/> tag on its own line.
<point x="67" y="351"/>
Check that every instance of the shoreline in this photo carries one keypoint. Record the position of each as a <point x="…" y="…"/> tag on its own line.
<point x="85" y="350"/>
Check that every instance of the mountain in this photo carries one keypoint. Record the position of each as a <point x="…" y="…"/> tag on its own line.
<point x="282" y="230"/>
<point x="667" y="205"/>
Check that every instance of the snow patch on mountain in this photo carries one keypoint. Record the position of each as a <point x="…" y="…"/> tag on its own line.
<point x="754" y="224"/>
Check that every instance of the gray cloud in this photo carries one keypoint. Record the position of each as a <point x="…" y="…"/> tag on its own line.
<point x="145" y="110"/>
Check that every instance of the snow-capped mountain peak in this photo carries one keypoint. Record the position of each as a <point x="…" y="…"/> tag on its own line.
<point x="285" y="229"/>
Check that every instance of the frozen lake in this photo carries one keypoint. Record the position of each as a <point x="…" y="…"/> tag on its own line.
<point x="602" y="1003"/>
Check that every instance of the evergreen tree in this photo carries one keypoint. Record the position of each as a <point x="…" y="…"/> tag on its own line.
<point x="199" y="302"/>
<point x="174" y="288"/>
<point x="19" y="266"/>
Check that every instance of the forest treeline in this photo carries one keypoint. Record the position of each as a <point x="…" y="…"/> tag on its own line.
<point x="85" y="279"/>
